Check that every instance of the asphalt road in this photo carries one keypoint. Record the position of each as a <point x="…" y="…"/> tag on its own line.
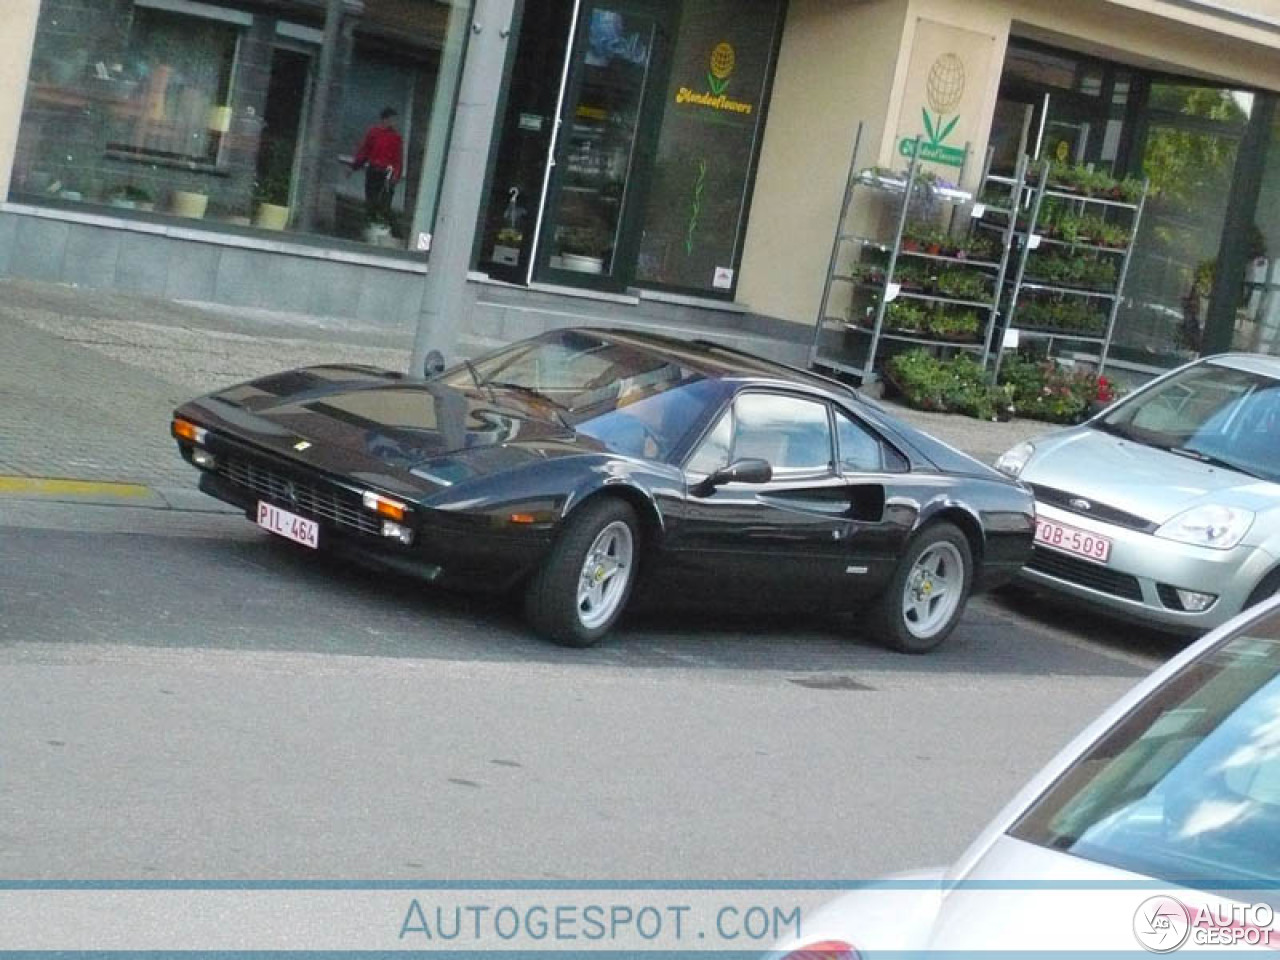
<point x="182" y="696"/>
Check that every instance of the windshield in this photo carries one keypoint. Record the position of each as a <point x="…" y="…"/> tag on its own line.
<point x="633" y="401"/>
<point x="1227" y="417"/>
<point x="1187" y="788"/>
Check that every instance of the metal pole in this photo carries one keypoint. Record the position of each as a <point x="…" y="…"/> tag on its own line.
<point x="461" y="193"/>
<point x="868" y="370"/>
<point x="994" y="325"/>
<point x="834" y="262"/>
<point x="1024" y="255"/>
<point x="309" y="168"/>
<point x="1124" y="276"/>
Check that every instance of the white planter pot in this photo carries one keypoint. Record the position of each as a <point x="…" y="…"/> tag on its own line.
<point x="271" y="216"/>
<point x="187" y="204"/>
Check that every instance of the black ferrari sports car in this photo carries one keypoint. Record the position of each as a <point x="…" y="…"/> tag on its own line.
<point x="582" y="464"/>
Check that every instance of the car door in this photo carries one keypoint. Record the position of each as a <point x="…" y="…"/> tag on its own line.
<point x="770" y="543"/>
<point x="875" y="478"/>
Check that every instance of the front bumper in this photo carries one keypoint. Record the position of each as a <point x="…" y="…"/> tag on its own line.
<point x="1142" y="572"/>
<point x="458" y="551"/>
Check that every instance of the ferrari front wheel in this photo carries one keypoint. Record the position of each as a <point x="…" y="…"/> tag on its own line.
<point x="926" y="596"/>
<point x="586" y="580"/>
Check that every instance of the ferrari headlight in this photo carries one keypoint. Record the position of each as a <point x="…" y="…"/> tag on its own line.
<point x="1219" y="528"/>
<point x="1012" y="461"/>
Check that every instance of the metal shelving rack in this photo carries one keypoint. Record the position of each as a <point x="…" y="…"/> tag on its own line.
<point x="880" y="285"/>
<point x="1030" y="241"/>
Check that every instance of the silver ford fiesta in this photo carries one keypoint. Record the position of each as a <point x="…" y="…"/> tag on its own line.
<point x="1166" y="506"/>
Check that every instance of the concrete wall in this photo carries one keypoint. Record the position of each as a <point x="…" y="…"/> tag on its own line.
<point x="17" y="38"/>
<point x="182" y="264"/>
<point x="838" y="65"/>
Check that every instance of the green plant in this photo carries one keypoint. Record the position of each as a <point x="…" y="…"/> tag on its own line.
<point x="275" y="174"/>
<point x="955" y="326"/>
<point x="924" y="236"/>
<point x="963" y="285"/>
<point x="958" y="385"/>
<point x="1060" y="316"/>
<point x="983" y="246"/>
<point x="1081" y="178"/>
<point x="1046" y="390"/>
<point x="134" y="194"/>
<point x="905" y="316"/>
<point x="1130" y="189"/>
<point x="912" y="276"/>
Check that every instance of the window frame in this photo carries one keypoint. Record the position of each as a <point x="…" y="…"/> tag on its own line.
<point x="886" y="448"/>
<point x="779" y="473"/>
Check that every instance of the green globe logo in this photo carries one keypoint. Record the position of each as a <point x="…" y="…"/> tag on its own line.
<point x="945" y="85"/>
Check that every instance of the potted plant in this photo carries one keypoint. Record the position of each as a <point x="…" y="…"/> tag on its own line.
<point x="271" y="189"/>
<point x="190" y="203"/>
<point x="905" y="317"/>
<point x="272" y="196"/>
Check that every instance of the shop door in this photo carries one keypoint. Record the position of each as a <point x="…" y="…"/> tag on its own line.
<point x="604" y="151"/>
<point x="283" y="127"/>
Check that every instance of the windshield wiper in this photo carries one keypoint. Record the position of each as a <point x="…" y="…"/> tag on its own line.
<point x="1210" y="460"/>
<point x="558" y="408"/>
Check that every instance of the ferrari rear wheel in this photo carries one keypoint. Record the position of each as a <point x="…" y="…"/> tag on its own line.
<point x="586" y="580"/>
<point x="923" y="601"/>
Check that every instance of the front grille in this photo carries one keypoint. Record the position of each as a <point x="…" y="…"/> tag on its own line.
<point x="1098" y="511"/>
<point x="303" y="497"/>
<point x="1084" y="573"/>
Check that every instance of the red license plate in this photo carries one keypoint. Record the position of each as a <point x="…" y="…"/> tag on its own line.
<point x="1069" y="539"/>
<point x="289" y="525"/>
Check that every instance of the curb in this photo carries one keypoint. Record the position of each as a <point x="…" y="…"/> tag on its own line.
<point x="108" y="493"/>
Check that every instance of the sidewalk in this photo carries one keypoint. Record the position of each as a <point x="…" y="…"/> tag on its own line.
<point x="89" y="379"/>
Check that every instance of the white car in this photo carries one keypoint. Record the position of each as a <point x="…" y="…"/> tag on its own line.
<point x="1158" y="827"/>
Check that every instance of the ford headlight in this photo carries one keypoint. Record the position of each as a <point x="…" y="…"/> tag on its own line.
<point x="1014" y="459"/>
<point x="1219" y="528"/>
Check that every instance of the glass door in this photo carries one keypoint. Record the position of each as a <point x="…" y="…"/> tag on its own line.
<point x="604" y="149"/>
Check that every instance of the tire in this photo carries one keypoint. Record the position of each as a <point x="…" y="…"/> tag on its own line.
<point x="576" y="597"/>
<point x="939" y="550"/>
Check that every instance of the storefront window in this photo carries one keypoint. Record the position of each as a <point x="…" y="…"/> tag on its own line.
<point x="209" y="111"/>
<point x="1192" y="137"/>
<point x="1258" y="324"/>
<point x="695" y="216"/>
<point x="654" y="149"/>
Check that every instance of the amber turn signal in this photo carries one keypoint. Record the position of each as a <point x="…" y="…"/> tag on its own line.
<point x="384" y="506"/>
<point x="186" y="430"/>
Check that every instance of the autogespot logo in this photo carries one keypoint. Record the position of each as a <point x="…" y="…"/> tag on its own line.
<point x="1161" y="924"/>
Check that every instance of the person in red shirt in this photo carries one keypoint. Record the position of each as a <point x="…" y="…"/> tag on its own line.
<point x="381" y="153"/>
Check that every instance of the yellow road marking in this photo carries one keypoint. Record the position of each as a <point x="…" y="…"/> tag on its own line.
<point x="55" y="487"/>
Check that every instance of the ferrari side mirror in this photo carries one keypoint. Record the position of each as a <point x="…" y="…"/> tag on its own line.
<point x="748" y="470"/>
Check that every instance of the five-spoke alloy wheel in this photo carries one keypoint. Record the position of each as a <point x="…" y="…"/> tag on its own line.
<point x="583" y="585"/>
<point x="925" y="598"/>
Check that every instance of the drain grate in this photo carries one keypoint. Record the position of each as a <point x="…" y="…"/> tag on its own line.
<point x="829" y="681"/>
